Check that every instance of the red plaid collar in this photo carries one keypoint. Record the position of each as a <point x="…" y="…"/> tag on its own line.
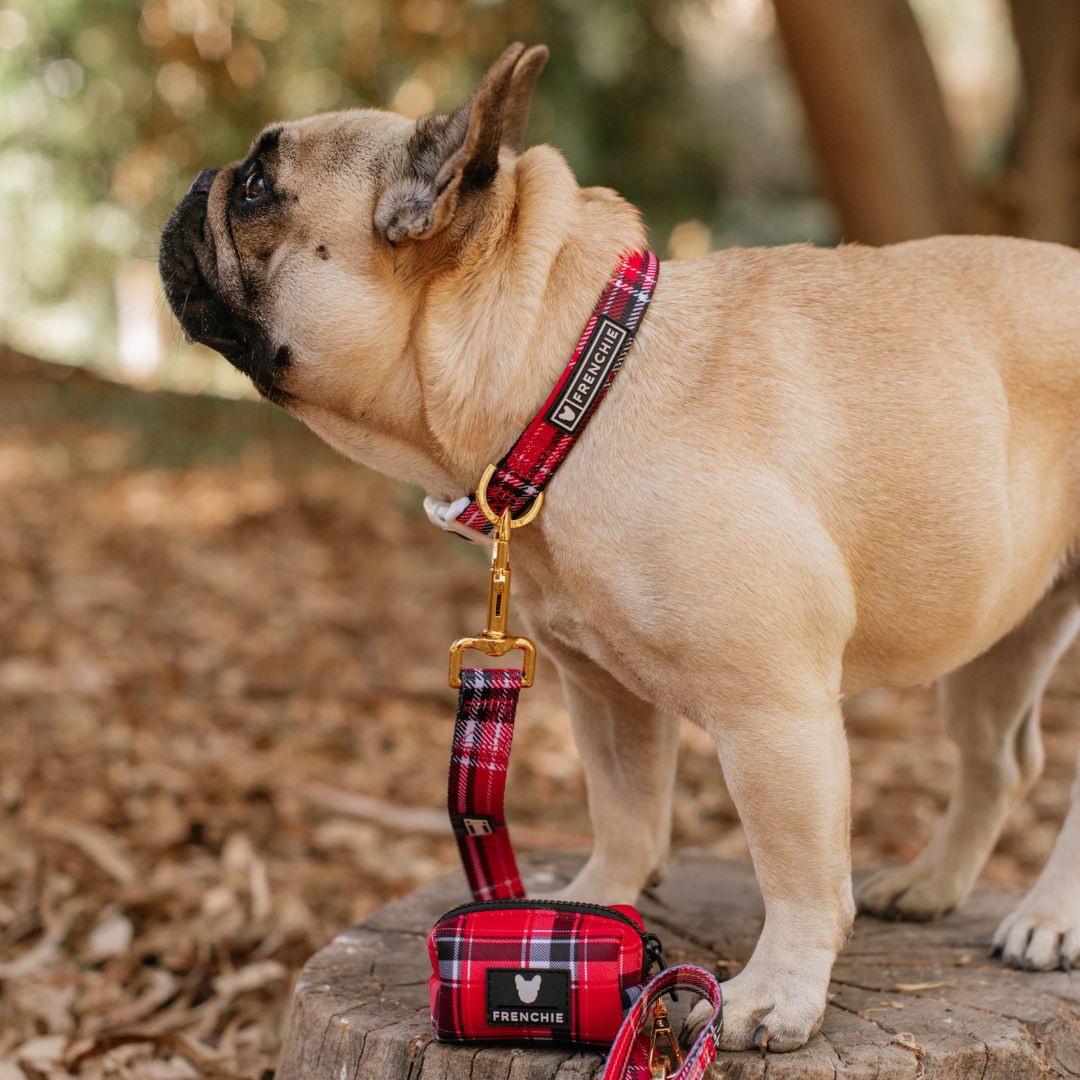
<point x="528" y="466"/>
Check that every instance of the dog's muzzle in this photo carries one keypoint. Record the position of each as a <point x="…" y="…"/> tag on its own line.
<point x="187" y="246"/>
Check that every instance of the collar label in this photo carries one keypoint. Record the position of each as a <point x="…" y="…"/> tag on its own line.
<point x="527" y="997"/>
<point x="590" y="374"/>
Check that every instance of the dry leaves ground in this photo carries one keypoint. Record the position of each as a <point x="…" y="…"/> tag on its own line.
<point x="214" y="636"/>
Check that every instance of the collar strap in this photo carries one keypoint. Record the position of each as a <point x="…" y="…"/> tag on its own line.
<point x="532" y="461"/>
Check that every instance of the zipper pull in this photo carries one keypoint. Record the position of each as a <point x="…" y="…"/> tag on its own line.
<point x="654" y="953"/>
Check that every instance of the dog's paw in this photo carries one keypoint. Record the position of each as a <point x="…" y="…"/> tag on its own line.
<point x="914" y="892"/>
<point x="775" y="1015"/>
<point x="1042" y="934"/>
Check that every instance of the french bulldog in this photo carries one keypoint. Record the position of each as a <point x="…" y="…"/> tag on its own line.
<point x="820" y="471"/>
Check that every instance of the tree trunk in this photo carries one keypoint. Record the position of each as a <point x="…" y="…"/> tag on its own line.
<point x="876" y="117"/>
<point x="921" y="1002"/>
<point x="1045" y="187"/>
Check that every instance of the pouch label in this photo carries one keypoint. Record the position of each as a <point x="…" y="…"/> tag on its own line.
<point x="590" y="373"/>
<point x="528" y="997"/>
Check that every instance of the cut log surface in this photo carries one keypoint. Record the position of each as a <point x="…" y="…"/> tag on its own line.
<point x="906" y="1001"/>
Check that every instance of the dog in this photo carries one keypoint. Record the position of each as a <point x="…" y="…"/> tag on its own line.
<point x="820" y="471"/>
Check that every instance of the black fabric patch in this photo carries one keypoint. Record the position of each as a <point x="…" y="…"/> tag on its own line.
<point x="605" y="345"/>
<point x="528" y="997"/>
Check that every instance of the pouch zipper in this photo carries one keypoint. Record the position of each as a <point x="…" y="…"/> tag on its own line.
<point x="652" y="949"/>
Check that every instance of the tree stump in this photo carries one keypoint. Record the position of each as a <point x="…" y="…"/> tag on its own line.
<point x="906" y="1001"/>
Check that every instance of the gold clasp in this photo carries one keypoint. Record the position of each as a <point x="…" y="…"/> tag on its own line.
<point x="663" y="1060"/>
<point x="494" y="639"/>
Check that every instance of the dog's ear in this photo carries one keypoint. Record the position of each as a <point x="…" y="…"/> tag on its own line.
<point x="453" y="154"/>
<point x="515" y="115"/>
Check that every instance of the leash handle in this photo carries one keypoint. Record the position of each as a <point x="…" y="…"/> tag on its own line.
<point x="630" y="1053"/>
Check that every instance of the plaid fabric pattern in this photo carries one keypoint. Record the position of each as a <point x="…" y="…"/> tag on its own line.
<point x="603" y="957"/>
<point x="483" y="731"/>
<point x="629" y="1057"/>
<point x="542" y="447"/>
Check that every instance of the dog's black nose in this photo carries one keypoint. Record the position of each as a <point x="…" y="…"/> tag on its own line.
<point x="201" y="184"/>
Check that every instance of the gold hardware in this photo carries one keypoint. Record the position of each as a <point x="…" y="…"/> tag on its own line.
<point x="485" y="508"/>
<point x="494" y="639"/>
<point x="663" y="1060"/>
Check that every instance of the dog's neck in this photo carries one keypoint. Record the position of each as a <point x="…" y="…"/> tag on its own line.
<point x="496" y="329"/>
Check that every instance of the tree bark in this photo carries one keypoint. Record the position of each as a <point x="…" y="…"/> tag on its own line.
<point x="876" y="118"/>
<point x="1045" y="185"/>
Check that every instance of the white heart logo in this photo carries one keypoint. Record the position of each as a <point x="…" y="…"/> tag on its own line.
<point x="567" y="416"/>
<point x="527" y="989"/>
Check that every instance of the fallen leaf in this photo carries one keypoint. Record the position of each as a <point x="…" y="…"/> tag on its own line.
<point x="41" y="1052"/>
<point x="94" y="842"/>
<point x="111" y="936"/>
<point x="252" y="977"/>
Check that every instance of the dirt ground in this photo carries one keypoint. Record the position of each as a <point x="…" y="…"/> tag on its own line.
<point x="214" y="636"/>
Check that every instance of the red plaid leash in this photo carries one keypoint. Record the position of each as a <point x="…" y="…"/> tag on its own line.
<point x="629" y="1055"/>
<point x="483" y="731"/>
<point x="488" y="700"/>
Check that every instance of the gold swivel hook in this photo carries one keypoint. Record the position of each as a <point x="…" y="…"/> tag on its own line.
<point x="494" y="639"/>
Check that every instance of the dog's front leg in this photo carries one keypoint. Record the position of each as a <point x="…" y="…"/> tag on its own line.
<point x="788" y="772"/>
<point x="628" y="750"/>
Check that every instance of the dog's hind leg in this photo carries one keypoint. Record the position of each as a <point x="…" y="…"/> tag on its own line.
<point x="628" y="750"/>
<point x="991" y="709"/>
<point x="1044" y="931"/>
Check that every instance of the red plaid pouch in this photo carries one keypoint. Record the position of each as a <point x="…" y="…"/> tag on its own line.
<point x="537" y="971"/>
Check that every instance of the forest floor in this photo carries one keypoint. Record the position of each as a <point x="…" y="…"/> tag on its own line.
<point x="214" y="636"/>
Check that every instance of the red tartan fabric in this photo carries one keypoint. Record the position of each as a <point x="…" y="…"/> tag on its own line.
<point x="543" y="446"/>
<point x="483" y="731"/>
<point x="629" y="1057"/>
<point x="603" y="958"/>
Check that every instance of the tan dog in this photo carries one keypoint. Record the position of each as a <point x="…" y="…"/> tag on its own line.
<point x="820" y="471"/>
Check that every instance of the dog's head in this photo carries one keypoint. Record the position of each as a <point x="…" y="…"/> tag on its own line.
<point x="298" y="263"/>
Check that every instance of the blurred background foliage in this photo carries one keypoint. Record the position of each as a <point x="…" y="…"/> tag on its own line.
<point x="109" y="107"/>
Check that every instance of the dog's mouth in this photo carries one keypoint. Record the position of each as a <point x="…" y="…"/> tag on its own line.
<point x="200" y="309"/>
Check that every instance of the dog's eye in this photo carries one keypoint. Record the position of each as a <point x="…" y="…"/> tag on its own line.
<point x="255" y="185"/>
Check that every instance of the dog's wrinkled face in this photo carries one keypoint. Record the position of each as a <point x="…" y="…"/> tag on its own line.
<point x="258" y="256"/>
<point x="290" y="262"/>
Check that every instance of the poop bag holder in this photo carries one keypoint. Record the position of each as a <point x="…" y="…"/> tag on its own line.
<point x="537" y="971"/>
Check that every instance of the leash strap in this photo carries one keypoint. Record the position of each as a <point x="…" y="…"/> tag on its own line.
<point x="629" y="1055"/>
<point x="543" y="446"/>
<point x="487" y="704"/>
